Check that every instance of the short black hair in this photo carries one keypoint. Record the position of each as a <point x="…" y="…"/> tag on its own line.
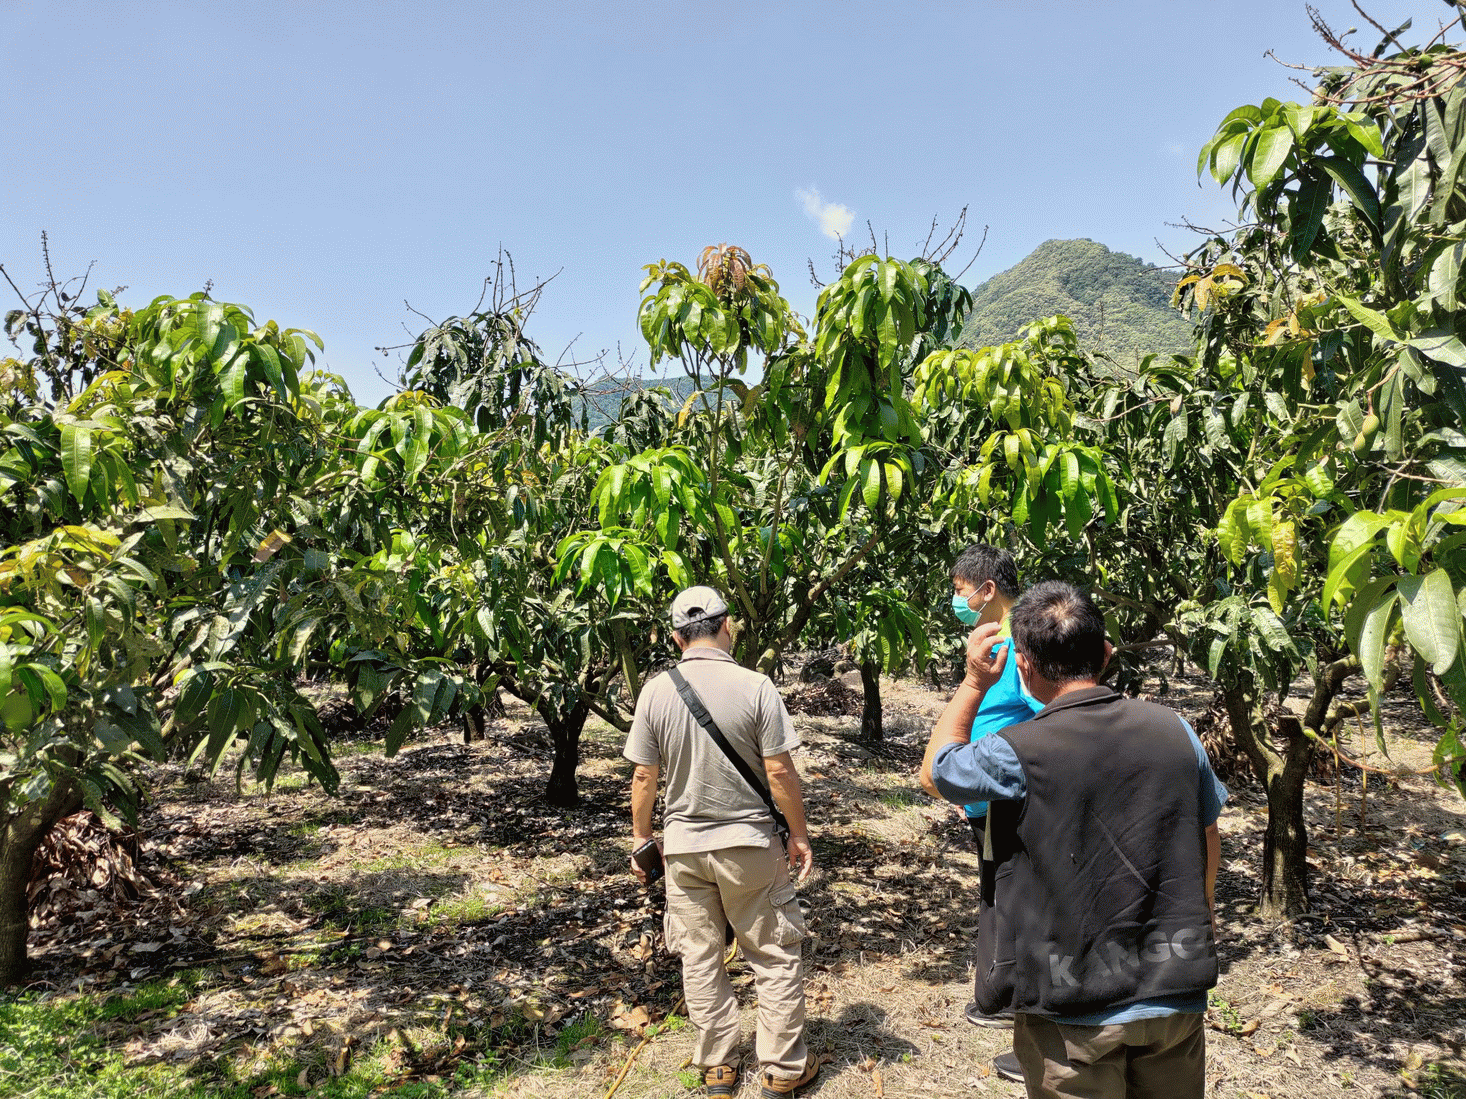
<point x="979" y="563"/>
<point x="701" y="628"/>
<point x="1061" y="631"/>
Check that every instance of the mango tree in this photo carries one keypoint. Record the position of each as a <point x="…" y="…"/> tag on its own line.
<point x="778" y="490"/>
<point x="180" y="537"/>
<point x="487" y="598"/>
<point x="132" y="513"/>
<point x="1327" y="398"/>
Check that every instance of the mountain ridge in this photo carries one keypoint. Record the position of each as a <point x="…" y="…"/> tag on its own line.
<point x="1119" y="304"/>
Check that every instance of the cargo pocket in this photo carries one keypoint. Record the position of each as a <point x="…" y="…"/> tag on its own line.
<point x="673" y="933"/>
<point x="789" y="926"/>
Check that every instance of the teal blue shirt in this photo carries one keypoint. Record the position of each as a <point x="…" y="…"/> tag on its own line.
<point x="1004" y="704"/>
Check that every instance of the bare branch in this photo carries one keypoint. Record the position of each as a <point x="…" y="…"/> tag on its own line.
<point x="1437" y="75"/>
<point x="976" y="252"/>
<point x="483" y="293"/>
<point x="1389" y="36"/>
<point x="846" y="254"/>
<point x="408" y="305"/>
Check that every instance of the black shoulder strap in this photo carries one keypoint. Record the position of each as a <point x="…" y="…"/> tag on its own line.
<point x="702" y="717"/>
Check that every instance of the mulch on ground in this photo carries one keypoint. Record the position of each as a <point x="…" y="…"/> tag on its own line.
<point x="440" y="906"/>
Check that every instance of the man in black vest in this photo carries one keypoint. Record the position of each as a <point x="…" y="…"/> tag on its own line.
<point x="1096" y="922"/>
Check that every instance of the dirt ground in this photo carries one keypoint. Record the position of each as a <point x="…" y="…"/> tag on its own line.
<point x="438" y="914"/>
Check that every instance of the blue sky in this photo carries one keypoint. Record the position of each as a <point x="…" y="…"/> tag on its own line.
<point x="325" y="162"/>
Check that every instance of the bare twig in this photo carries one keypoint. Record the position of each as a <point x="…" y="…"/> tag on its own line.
<point x="1439" y="72"/>
<point x="939" y="254"/>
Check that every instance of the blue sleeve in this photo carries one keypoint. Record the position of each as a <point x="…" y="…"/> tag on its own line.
<point x="1213" y="794"/>
<point x="981" y="770"/>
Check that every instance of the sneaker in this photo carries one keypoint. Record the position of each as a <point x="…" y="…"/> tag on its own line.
<point x="1006" y="1065"/>
<point x="975" y="1016"/>
<point x="777" y="1086"/>
<point x="721" y="1081"/>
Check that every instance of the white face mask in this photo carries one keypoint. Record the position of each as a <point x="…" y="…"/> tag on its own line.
<point x="1023" y="687"/>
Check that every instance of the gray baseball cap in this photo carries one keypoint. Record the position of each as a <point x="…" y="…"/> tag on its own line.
<point x="695" y="605"/>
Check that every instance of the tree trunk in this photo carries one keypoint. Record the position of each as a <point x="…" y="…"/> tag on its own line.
<point x="1281" y="772"/>
<point x="476" y="718"/>
<point x="870" y="714"/>
<point x="562" y="788"/>
<point x="475" y="723"/>
<point x="20" y="837"/>
<point x="1285" y="844"/>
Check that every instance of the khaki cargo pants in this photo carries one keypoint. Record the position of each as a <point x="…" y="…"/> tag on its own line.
<point x="1146" y="1059"/>
<point x="747" y="887"/>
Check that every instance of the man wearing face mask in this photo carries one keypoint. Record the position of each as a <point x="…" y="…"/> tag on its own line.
<point x="984" y="588"/>
<point x="1097" y="927"/>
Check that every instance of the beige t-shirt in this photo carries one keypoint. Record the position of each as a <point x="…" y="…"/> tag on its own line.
<point x="710" y="806"/>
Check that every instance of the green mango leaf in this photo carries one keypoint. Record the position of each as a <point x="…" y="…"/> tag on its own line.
<point x="1344" y="575"/>
<point x="870" y="477"/>
<point x="209" y="322"/>
<point x="1317" y="478"/>
<point x="1271" y="630"/>
<point x="1355" y="185"/>
<point x="1365" y="130"/>
<point x="1012" y="451"/>
<point x="1299" y="118"/>
<point x="398" y="733"/>
<point x="1372" y="319"/>
<point x="269" y="362"/>
<point x="1359" y="529"/>
<point x="1443" y="347"/>
<point x="54" y="686"/>
<point x="1078" y="511"/>
<point x="232" y="381"/>
<point x="1069" y="479"/>
<point x="1432" y="618"/>
<point x="1174" y="438"/>
<point x="1215" y="651"/>
<point x="895" y="480"/>
<point x="1444" y="278"/>
<point x="166" y="511"/>
<point x="1307" y="210"/>
<point x="1369" y="631"/>
<point x="1274" y="143"/>
<point x="1107" y="497"/>
<point x="1232" y="533"/>
<point x="1402" y="547"/>
<point x="224" y="712"/>
<point x="76" y="458"/>
<point x="1260" y="520"/>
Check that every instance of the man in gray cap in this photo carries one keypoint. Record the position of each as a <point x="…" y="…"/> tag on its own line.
<point x="725" y="861"/>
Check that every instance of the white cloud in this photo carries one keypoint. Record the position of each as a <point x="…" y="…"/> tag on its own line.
<point x="833" y="219"/>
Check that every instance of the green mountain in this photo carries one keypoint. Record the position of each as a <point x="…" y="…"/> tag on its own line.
<point x="602" y="397"/>
<point x="1120" y="305"/>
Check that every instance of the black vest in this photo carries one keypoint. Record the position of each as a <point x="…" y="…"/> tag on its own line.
<point x="1095" y="894"/>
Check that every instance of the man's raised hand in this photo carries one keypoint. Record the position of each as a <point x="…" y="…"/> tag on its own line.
<point x="984" y="666"/>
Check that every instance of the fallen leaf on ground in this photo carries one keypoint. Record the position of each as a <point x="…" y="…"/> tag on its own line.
<point x="631" y="1018"/>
